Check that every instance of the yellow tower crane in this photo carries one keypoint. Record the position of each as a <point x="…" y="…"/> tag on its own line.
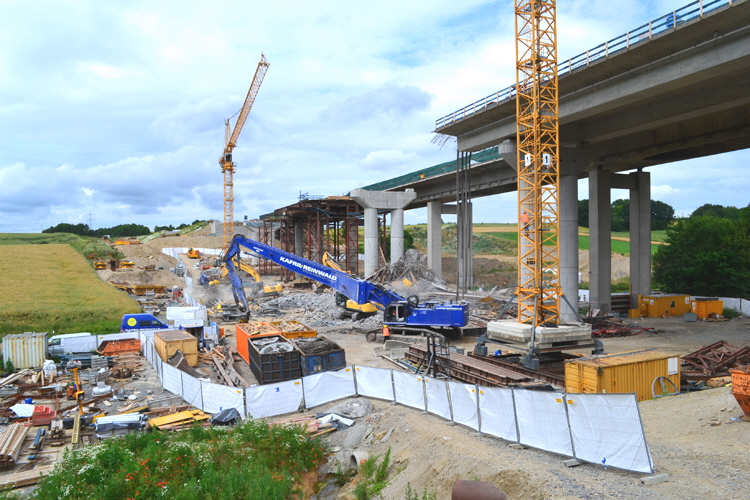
<point x="538" y="290"/>
<point x="230" y="141"/>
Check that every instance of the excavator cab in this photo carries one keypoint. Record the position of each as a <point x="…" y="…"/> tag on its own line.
<point x="193" y="253"/>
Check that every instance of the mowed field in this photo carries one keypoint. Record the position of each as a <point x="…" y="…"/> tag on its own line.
<point x="50" y="287"/>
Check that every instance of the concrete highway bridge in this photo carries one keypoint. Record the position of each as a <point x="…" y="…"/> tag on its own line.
<point x="673" y="89"/>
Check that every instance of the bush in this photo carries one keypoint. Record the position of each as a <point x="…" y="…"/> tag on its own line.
<point x="730" y="313"/>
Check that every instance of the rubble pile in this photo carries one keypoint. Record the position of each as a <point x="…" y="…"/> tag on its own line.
<point x="410" y="266"/>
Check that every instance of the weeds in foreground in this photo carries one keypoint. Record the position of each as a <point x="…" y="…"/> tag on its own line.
<point x="730" y="313"/>
<point x="374" y="477"/>
<point x="251" y="461"/>
<point x="413" y="495"/>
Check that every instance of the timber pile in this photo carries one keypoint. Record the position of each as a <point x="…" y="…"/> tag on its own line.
<point x="221" y="361"/>
<point x="11" y="441"/>
<point x="24" y="478"/>
<point x="180" y="420"/>
<point x="408" y="267"/>
<point x="309" y="423"/>
<point x="131" y="361"/>
<point x="16" y="376"/>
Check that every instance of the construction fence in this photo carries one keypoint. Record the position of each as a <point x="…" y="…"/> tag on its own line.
<point x="596" y="428"/>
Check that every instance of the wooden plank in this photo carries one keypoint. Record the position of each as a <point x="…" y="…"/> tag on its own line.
<point x="24" y="478"/>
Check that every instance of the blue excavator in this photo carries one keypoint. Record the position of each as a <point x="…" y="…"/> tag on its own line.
<point x="399" y="313"/>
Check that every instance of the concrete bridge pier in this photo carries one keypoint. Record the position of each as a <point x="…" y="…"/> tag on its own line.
<point x="640" y="235"/>
<point x="569" y="246"/>
<point x="600" y="240"/>
<point x="372" y="201"/>
<point x="601" y="182"/>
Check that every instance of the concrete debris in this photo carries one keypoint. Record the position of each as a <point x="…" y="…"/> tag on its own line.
<point x="352" y="408"/>
<point x="410" y="267"/>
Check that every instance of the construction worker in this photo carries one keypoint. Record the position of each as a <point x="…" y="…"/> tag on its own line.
<point x="386" y="333"/>
<point x="524" y="221"/>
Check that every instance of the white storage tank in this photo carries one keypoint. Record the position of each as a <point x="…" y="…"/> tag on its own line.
<point x="25" y="350"/>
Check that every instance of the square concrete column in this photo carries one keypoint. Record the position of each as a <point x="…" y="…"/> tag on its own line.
<point x="569" y="246"/>
<point x="434" y="236"/>
<point x="640" y="236"/>
<point x="600" y="240"/>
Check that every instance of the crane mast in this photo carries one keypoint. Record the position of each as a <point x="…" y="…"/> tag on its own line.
<point x="538" y="162"/>
<point x="230" y="141"/>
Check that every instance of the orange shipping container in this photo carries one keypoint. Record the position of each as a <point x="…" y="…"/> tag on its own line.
<point x="243" y="332"/>
<point x="628" y="372"/>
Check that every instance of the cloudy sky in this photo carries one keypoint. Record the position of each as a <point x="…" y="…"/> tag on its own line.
<point x="114" y="111"/>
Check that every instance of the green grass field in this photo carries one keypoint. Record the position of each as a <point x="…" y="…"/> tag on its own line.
<point x="53" y="287"/>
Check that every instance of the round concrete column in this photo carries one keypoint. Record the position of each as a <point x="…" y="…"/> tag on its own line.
<point x="397" y="235"/>
<point x="371" y="240"/>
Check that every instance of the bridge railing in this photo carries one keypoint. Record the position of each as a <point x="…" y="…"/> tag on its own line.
<point x="666" y="23"/>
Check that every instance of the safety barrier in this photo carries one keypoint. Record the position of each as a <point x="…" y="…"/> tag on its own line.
<point x="597" y="428"/>
<point x="665" y="24"/>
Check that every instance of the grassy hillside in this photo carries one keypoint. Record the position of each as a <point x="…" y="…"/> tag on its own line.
<point x="38" y="238"/>
<point x="53" y="287"/>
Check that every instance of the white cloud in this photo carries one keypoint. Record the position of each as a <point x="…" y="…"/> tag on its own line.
<point x="119" y="111"/>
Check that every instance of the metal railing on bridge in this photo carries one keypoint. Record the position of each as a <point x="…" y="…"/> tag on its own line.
<point x="666" y="23"/>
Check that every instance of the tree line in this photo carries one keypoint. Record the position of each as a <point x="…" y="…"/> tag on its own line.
<point x="706" y="254"/>
<point x="662" y="215"/>
<point x="119" y="231"/>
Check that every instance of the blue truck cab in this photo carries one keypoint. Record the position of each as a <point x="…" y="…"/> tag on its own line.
<point x="141" y="321"/>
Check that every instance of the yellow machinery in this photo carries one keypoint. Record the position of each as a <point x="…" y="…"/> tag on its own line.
<point x="193" y="253"/>
<point x="267" y="289"/>
<point x="74" y="391"/>
<point x="350" y="308"/>
<point x="538" y="290"/>
<point x="99" y="265"/>
<point x="227" y="165"/>
<point x="127" y="264"/>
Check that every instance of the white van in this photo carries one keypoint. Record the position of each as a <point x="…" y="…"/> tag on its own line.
<point x="71" y="342"/>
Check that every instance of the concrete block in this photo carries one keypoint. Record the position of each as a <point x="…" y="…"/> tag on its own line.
<point x="652" y="480"/>
<point x="572" y="463"/>
<point x="518" y="446"/>
<point x="399" y="353"/>
<point x="377" y="351"/>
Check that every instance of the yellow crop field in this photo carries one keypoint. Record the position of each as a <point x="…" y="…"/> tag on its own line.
<point x="52" y="287"/>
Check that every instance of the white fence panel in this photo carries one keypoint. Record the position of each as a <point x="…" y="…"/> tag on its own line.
<point x="220" y="397"/>
<point x="438" y="401"/>
<point x="607" y="429"/>
<point x="409" y="390"/>
<point x="464" y="402"/>
<point x="497" y="412"/>
<point x="374" y="382"/>
<point x="328" y="386"/>
<point x="542" y="421"/>
<point x="192" y="391"/>
<point x="171" y="379"/>
<point x="273" y="399"/>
